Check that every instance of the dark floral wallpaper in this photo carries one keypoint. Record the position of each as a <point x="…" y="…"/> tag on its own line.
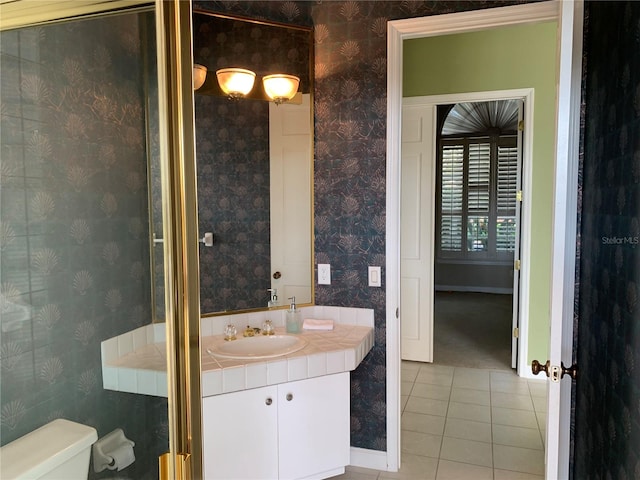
<point x="74" y="227"/>
<point x="350" y="157"/>
<point x="607" y="422"/>
<point x="60" y="188"/>
<point x="263" y="48"/>
<point x="232" y="148"/>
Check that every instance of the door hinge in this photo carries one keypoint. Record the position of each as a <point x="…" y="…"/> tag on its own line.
<point x="516" y="332"/>
<point x="521" y="126"/>
<point x="516" y="265"/>
<point x="519" y="195"/>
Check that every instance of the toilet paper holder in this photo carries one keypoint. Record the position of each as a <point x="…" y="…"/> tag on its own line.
<point x="105" y="451"/>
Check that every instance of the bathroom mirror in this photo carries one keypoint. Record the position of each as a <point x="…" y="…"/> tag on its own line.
<point x="255" y="169"/>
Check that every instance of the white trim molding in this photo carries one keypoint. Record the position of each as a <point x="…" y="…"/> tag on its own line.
<point x="397" y="32"/>
<point x="365" y="458"/>
<point x="475" y="20"/>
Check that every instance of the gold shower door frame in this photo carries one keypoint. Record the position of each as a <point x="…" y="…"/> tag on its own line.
<point x="180" y="233"/>
<point x="177" y="152"/>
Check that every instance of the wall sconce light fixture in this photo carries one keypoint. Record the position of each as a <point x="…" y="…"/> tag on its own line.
<point x="280" y="87"/>
<point x="199" y="75"/>
<point x="235" y="82"/>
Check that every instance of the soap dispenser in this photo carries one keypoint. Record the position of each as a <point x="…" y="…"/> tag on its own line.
<point x="294" y="317"/>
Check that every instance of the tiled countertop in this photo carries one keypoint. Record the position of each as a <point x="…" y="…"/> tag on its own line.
<point x="135" y="362"/>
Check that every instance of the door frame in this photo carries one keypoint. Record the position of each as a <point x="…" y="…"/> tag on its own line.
<point x="527" y="96"/>
<point x="569" y="15"/>
<point x="174" y="40"/>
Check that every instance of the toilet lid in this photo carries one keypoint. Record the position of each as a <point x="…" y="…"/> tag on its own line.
<point x="42" y="450"/>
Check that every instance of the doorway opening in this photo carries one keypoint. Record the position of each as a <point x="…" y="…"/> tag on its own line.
<point x="460" y="229"/>
<point x="566" y="115"/>
<point x="477" y="233"/>
<point x="463" y="223"/>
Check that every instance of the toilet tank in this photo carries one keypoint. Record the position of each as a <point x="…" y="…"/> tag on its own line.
<point x="58" y="450"/>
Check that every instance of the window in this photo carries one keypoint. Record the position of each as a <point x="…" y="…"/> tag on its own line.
<point x="477" y="182"/>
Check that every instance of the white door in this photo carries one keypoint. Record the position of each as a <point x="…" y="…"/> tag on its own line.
<point x="290" y="172"/>
<point x="564" y="238"/>
<point x="417" y="194"/>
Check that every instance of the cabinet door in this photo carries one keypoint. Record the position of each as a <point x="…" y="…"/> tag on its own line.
<point x="241" y="435"/>
<point x="313" y="426"/>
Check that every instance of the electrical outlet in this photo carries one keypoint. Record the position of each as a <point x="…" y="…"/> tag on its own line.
<point x="324" y="274"/>
<point x="374" y="277"/>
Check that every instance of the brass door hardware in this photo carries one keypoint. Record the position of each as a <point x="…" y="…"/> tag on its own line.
<point x="537" y="367"/>
<point x="556" y="373"/>
<point x="572" y="371"/>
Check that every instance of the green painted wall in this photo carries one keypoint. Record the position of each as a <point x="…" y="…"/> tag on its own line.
<point x="500" y="59"/>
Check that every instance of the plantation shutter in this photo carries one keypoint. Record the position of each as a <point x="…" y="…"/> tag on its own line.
<point x="506" y="197"/>
<point x="452" y="189"/>
<point x="478" y="178"/>
<point x="478" y="196"/>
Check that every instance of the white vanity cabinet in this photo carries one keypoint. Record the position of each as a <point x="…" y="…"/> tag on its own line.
<point x="240" y="435"/>
<point x="294" y="430"/>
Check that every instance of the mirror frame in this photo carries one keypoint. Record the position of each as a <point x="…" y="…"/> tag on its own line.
<point x="210" y="87"/>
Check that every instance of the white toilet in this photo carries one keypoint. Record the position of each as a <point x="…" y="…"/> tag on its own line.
<point x="57" y="450"/>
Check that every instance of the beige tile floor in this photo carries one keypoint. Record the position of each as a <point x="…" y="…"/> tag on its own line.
<point x="467" y="424"/>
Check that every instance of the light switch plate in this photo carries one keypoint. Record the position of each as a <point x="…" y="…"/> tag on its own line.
<point x="324" y="274"/>
<point x="374" y="277"/>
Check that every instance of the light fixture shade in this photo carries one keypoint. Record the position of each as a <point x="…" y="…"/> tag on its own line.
<point x="199" y="75"/>
<point x="280" y="87"/>
<point x="235" y="82"/>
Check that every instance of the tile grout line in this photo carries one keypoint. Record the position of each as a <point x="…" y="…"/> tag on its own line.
<point x="410" y="395"/>
<point x="493" y="456"/>
<point x="535" y="411"/>
<point x="446" y="417"/>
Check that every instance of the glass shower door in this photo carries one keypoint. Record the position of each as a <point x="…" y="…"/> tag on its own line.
<point x="80" y="126"/>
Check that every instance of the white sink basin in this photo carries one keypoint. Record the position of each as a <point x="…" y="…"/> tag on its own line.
<point x="260" y="346"/>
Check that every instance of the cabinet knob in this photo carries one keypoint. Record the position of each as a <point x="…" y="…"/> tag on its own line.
<point x="268" y="401"/>
<point x="289" y="397"/>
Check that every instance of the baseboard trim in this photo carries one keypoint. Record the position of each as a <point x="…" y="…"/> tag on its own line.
<point x="365" y="458"/>
<point x="528" y="374"/>
<point x="479" y="289"/>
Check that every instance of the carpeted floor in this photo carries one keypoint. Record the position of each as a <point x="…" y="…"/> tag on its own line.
<point x="472" y="330"/>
